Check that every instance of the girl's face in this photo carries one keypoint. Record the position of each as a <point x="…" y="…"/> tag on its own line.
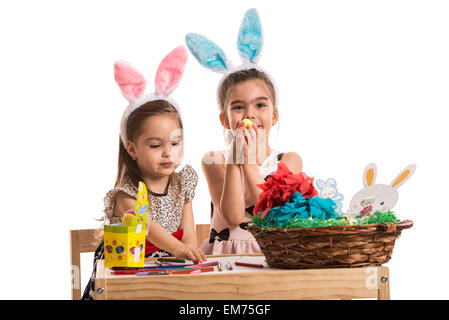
<point x="158" y="149"/>
<point x="249" y="99"/>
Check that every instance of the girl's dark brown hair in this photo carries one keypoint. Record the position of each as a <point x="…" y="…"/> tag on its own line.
<point x="241" y="76"/>
<point x="127" y="167"/>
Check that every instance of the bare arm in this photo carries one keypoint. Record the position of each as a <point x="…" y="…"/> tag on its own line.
<point x="253" y="178"/>
<point x="225" y="187"/>
<point x="232" y="203"/>
<point x="123" y="202"/>
<point x="291" y="159"/>
<point x="188" y="225"/>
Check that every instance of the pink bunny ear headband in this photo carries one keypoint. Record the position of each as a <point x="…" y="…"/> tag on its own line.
<point x="132" y="83"/>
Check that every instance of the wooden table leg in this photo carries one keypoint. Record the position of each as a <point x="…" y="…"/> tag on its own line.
<point x="384" y="283"/>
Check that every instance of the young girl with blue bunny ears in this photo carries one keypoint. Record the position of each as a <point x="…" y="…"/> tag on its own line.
<point x="150" y="149"/>
<point x="247" y="99"/>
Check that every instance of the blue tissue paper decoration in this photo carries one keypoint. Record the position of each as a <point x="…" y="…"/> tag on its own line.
<point x="250" y="37"/>
<point x="322" y="208"/>
<point x="301" y="208"/>
<point x="207" y="53"/>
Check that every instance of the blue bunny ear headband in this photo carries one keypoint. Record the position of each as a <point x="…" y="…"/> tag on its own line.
<point x="249" y="45"/>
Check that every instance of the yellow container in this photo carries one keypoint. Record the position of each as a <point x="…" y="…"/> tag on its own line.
<point x="124" y="246"/>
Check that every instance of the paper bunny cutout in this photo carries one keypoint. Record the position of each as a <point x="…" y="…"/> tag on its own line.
<point x="378" y="197"/>
<point x="329" y="189"/>
<point x="249" y="44"/>
<point x="133" y="84"/>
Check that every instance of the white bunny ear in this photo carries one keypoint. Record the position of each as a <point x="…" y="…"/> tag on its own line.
<point x="369" y="175"/>
<point x="320" y="184"/>
<point x="403" y="176"/>
<point x="250" y="39"/>
<point x="171" y="70"/>
<point x="331" y="182"/>
<point x="130" y="81"/>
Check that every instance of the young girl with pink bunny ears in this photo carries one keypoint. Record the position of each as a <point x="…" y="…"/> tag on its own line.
<point x="150" y="149"/>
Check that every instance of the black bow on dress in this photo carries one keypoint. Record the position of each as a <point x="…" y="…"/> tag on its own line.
<point x="222" y="235"/>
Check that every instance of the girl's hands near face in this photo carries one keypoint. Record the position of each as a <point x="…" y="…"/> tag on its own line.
<point x="245" y="144"/>
<point x="251" y="145"/>
<point x="190" y="252"/>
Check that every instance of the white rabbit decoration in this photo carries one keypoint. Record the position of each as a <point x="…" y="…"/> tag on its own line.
<point x="329" y="189"/>
<point x="378" y="197"/>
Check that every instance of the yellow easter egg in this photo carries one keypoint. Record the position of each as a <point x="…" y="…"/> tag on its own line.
<point x="248" y="123"/>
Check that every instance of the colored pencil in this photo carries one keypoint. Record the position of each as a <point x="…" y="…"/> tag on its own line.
<point x="171" y="260"/>
<point x="193" y="271"/>
<point x="151" y="273"/>
<point x="159" y="271"/>
<point x="206" y="264"/>
<point x="131" y="272"/>
<point x="151" y="267"/>
<point x="251" y="265"/>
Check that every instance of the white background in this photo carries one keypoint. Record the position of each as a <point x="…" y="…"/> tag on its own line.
<point x="359" y="82"/>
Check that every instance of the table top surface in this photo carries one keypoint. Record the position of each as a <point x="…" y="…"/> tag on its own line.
<point x="231" y="259"/>
<point x="106" y="273"/>
<point x="243" y="282"/>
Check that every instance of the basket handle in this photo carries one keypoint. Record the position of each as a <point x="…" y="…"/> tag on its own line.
<point x="388" y="227"/>
<point x="406" y="224"/>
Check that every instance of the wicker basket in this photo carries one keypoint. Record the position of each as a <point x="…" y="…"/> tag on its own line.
<point x="329" y="247"/>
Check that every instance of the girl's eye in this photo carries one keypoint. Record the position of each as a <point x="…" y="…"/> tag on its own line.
<point x="154" y="146"/>
<point x="260" y="105"/>
<point x="176" y="143"/>
<point x="237" y="108"/>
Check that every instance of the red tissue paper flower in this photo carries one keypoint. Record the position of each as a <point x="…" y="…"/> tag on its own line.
<point x="280" y="185"/>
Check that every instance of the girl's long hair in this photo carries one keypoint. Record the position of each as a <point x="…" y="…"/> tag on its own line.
<point x="128" y="172"/>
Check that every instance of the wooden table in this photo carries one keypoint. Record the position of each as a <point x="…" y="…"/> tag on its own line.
<point x="245" y="283"/>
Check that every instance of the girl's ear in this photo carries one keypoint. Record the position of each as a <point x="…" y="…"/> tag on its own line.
<point x="224" y="121"/>
<point x="131" y="149"/>
<point x="275" y="116"/>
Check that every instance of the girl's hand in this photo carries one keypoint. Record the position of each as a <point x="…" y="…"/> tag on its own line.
<point x="190" y="252"/>
<point x="246" y="144"/>
<point x="251" y="145"/>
